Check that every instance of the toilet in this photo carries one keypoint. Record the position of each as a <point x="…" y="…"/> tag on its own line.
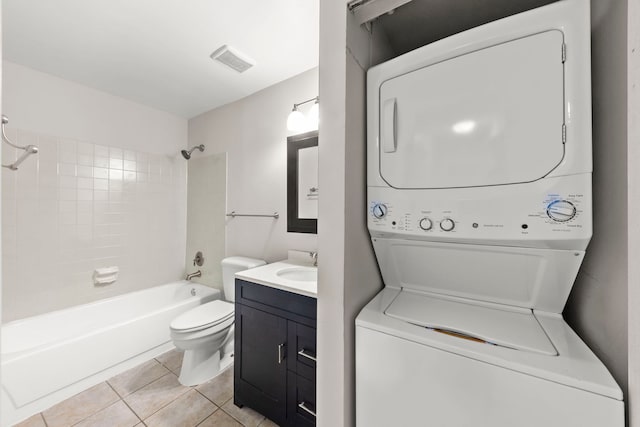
<point x="205" y="333"/>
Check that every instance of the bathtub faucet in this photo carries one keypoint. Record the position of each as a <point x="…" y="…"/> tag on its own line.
<point x="192" y="275"/>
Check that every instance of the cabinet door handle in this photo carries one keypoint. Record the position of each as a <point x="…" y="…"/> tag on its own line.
<point x="281" y="353"/>
<point x="303" y="353"/>
<point x="303" y="406"/>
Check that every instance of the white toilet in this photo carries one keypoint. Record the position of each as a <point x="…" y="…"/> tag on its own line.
<point x="205" y="333"/>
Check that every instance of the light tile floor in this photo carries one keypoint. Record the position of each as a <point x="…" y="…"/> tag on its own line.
<point x="150" y="395"/>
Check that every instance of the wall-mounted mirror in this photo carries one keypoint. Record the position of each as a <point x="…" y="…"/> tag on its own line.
<point x="302" y="183"/>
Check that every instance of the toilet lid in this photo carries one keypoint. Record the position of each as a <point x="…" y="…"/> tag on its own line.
<point x="203" y="316"/>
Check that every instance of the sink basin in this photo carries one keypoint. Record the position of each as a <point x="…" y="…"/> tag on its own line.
<point x="299" y="274"/>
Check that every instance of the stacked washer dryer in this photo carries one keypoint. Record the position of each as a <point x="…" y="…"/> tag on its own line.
<point x="479" y="192"/>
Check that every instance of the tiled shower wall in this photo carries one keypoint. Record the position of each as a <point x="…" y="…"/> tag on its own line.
<point x="77" y="206"/>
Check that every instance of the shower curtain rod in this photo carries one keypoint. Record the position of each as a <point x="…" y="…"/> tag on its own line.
<point x="275" y="215"/>
<point x="28" y="149"/>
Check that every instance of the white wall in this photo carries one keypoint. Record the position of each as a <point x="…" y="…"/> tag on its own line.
<point x="206" y="205"/>
<point x="348" y="274"/>
<point x="50" y="105"/>
<point x="331" y="378"/>
<point x="108" y="187"/>
<point x="253" y="133"/>
<point x="597" y="308"/>
<point x="633" y="167"/>
<point x="1" y="162"/>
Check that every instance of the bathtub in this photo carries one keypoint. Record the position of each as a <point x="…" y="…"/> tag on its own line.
<point x="48" y="358"/>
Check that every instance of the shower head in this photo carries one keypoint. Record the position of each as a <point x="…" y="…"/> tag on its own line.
<point x="187" y="154"/>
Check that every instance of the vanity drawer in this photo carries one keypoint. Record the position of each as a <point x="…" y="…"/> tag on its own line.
<point x="301" y="349"/>
<point x="287" y="304"/>
<point x="301" y="401"/>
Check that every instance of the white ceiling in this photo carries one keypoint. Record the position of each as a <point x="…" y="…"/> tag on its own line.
<point x="156" y="52"/>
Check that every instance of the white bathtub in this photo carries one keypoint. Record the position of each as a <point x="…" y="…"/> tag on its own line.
<point x="50" y="357"/>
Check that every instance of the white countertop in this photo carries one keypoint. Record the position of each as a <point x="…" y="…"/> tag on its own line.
<point x="266" y="275"/>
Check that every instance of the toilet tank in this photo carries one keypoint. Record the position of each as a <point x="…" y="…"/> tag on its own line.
<point x="232" y="265"/>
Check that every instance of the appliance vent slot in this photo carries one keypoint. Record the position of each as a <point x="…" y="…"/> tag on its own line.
<point x="232" y="58"/>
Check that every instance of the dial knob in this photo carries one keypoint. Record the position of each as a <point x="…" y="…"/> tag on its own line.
<point x="447" y="224"/>
<point x="379" y="210"/>
<point x="561" y="210"/>
<point x="425" y="224"/>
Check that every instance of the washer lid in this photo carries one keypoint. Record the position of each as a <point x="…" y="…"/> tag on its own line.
<point x="530" y="278"/>
<point x="575" y="365"/>
<point x="203" y="316"/>
<point x="510" y="327"/>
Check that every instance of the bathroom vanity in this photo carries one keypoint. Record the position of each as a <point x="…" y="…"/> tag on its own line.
<point x="275" y="344"/>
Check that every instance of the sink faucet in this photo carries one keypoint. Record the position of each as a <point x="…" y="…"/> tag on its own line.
<point x="314" y="257"/>
<point x="192" y="275"/>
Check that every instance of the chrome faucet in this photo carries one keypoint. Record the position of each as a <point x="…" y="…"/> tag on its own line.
<point x="192" y="275"/>
<point x="314" y="257"/>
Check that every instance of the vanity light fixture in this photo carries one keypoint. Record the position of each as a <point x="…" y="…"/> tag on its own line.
<point x="297" y="122"/>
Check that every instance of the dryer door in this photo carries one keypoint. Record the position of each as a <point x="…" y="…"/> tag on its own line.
<point x="490" y="117"/>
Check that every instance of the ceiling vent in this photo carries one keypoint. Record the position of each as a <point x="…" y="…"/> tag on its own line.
<point x="232" y="58"/>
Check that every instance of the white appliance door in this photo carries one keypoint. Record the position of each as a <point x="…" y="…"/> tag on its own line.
<point x="493" y="116"/>
<point x="506" y="326"/>
<point x="405" y="384"/>
<point x="539" y="279"/>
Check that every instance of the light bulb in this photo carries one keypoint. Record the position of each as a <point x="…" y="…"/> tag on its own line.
<point x="464" y="127"/>
<point x="295" y="121"/>
<point x="314" y="115"/>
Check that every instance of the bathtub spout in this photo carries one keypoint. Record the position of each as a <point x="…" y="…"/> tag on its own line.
<point x="192" y="275"/>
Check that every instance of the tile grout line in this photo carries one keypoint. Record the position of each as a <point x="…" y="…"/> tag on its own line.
<point x="122" y="396"/>
<point x="43" y="419"/>
<point x="200" y="393"/>
<point x="125" y="402"/>
<point x="178" y="397"/>
<point x="231" y="415"/>
<point x="143" y="422"/>
<point x="220" y="408"/>
<point x="210" y="415"/>
<point x="114" y="390"/>
<point x="98" y="410"/>
<point x="163" y="406"/>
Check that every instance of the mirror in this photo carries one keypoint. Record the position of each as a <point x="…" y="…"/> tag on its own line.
<point x="302" y="183"/>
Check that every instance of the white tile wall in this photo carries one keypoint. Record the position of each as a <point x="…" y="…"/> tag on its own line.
<point x="76" y="206"/>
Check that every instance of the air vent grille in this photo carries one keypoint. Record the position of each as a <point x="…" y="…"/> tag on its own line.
<point x="232" y="58"/>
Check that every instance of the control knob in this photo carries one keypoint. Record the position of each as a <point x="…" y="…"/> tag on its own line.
<point x="561" y="210"/>
<point x="447" y="224"/>
<point x="379" y="210"/>
<point x="426" y="224"/>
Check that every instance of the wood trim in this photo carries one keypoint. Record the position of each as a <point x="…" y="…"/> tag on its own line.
<point x="294" y="144"/>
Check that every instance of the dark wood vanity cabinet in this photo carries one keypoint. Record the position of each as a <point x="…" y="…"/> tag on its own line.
<point x="275" y="350"/>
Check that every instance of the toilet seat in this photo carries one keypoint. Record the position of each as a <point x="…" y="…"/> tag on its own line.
<point x="203" y="317"/>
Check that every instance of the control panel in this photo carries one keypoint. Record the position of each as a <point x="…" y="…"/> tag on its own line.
<point x="548" y="210"/>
